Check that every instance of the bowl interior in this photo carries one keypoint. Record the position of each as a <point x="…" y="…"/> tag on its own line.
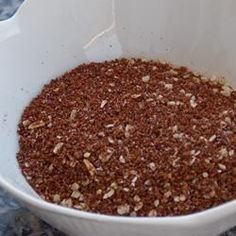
<point x="46" y="38"/>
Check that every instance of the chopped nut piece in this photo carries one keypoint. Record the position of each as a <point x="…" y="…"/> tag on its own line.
<point x="156" y="203"/>
<point x="36" y="124"/>
<point x="212" y="138"/>
<point x="146" y="78"/>
<point x="67" y="202"/>
<point x="114" y="185"/>
<point x="228" y="120"/>
<point x="222" y="167"/>
<point x="137" y="198"/>
<point x="103" y="103"/>
<point x="101" y="134"/>
<point x="223" y="152"/>
<point x="105" y="157"/>
<point x="169" y="86"/>
<point x="99" y="191"/>
<point x="110" y="140"/>
<point x="231" y="153"/>
<point x="73" y="115"/>
<point x="128" y="128"/>
<point x="56" y="198"/>
<point x="171" y="103"/>
<point x="133" y="214"/>
<point x="136" y="95"/>
<point x="87" y="154"/>
<point x="147" y="182"/>
<point x="167" y="194"/>
<point x="175" y="161"/>
<point x="126" y="189"/>
<point x="195" y="153"/>
<point x="175" y="128"/>
<point x="174" y="72"/>
<point x="123" y="209"/>
<point x="138" y="206"/>
<point x="122" y="159"/>
<point x="133" y="172"/>
<point x="152" y="166"/>
<point x="26" y="122"/>
<point x="109" y="126"/>
<point x="150" y="100"/>
<point x="176" y="199"/>
<point x="81" y="206"/>
<point x="178" y="135"/>
<point x="109" y="194"/>
<point x="85" y="182"/>
<point x="193" y="103"/>
<point x="152" y="213"/>
<point x="75" y="194"/>
<point x="205" y="174"/>
<point x="188" y="95"/>
<point x="182" y="198"/>
<point x="226" y="91"/>
<point x="90" y="167"/>
<point x="74" y="186"/>
<point x="50" y="168"/>
<point x="186" y="76"/>
<point x="57" y="148"/>
<point x="27" y="164"/>
<point x="133" y="181"/>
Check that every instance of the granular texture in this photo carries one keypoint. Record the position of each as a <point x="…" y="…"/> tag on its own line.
<point x="131" y="137"/>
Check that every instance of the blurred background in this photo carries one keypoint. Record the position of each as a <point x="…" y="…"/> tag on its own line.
<point x="8" y="8"/>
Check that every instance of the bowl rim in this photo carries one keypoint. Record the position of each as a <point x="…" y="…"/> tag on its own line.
<point x="221" y="211"/>
<point x="211" y="214"/>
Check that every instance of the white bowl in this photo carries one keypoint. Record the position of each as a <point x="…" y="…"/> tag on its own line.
<point x="47" y="37"/>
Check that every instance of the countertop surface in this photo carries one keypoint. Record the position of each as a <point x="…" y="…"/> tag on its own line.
<point x="14" y="219"/>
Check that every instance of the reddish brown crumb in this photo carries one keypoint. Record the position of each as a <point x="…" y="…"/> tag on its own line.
<point x="131" y="137"/>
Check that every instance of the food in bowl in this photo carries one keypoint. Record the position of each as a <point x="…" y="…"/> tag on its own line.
<point x="131" y="137"/>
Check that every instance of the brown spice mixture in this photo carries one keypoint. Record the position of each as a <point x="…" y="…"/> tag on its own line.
<point x="131" y="137"/>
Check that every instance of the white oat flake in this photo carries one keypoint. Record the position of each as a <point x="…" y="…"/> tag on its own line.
<point x="56" y="198"/>
<point x="123" y="209"/>
<point x="156" y="203"/>
<point x="109" y="194"/>
<point x="75" y="194"/>
<point x="171" y="103"/>
<point x="109" y="126"/>
<point x="122" y="159"/>
<point x="146" y="78"/>
<point x="231" y="153"/>
<point x="87" y="154"/>
<point x="73" y="114"/>
<point x="169" y="86"/>
<point x="58" y="147"/>
<point x="223" y="152"/>
<point x="193" y="103"/>
<point x="103" y="103"/>
<point x="212" y="138"/>
<point x="74" y="186"/>
<point x="138" y="206"/>
<point x="152" y="213"/>
<point x="152" y="166"/>
<point x="205" y="174"/>
<point x="36" y="124"/>
<point x="222" y="166"/>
